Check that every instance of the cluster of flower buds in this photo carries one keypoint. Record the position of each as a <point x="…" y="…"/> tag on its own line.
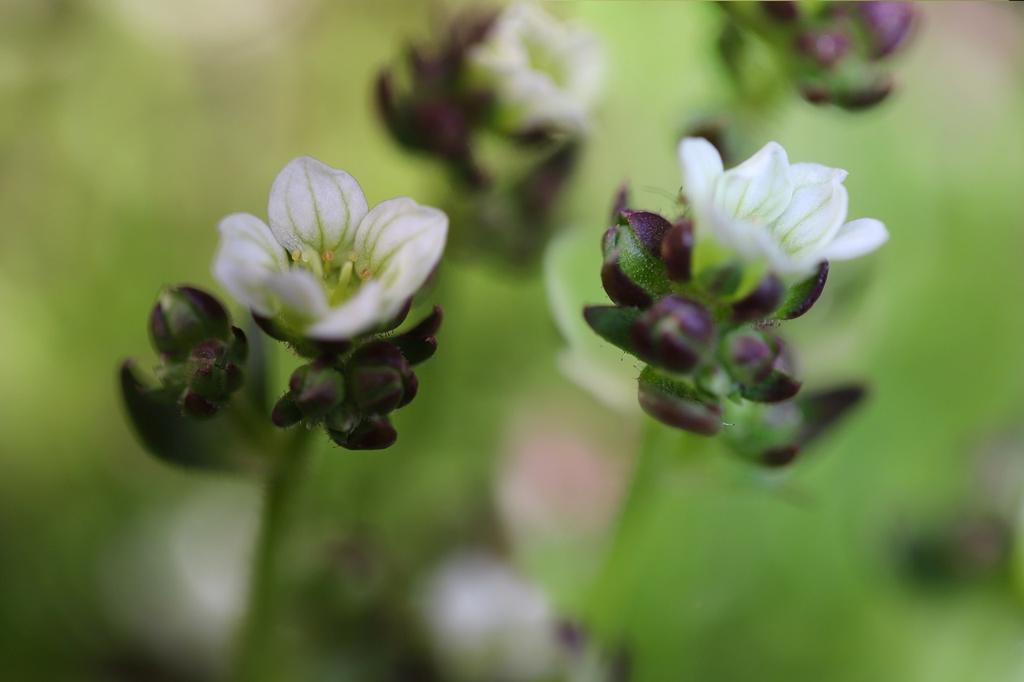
<point x="713" y="362"/>
<point x="834" y="51"/>
<point x="439" y="112"/>
<point x="519" y="76"/>
<point x="202" y="355"/>
<point x="351" y="388"/>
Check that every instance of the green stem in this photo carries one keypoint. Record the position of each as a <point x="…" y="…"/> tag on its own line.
<point x="663" y="449"/>
<point x="256" y="654"/>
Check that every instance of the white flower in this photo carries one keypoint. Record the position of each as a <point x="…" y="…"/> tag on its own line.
<point x="487" y="622"/>
<point x="790" y="215"/>
<point x="326" y="267"/>
<point x="546" y="72"/>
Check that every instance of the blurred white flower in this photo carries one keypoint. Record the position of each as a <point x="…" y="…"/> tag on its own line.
<point x="327" y="267"/>
<point x="486" y="623"/>
<point x="571" y="282"/>
<point x="175" y="581"/>
<point x="547" y="72"/>
<point x="790" y="215"/>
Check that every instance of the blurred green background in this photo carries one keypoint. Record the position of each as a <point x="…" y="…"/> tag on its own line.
<point x="128" y="128"/>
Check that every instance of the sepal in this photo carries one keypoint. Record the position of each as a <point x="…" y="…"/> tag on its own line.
<point x="678" y="403"/>
<point x="419" y="343"/>
<point x="677" y="250"/>
<point x="613" y="324"/>
<point x="802" y="296"/>
<point x="761" y="302"/>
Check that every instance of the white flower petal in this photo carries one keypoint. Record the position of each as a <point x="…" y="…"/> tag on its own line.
<point x="248" y="254"/>
<point x="856" y="238"/>
<point x="400" y="242"/>
<point x="359" y="314"/>
<point x="801" y="174"/>
<point x="813" y="216"/>
<point x="314" y="207"/>
<point x="300" y="293"/>
<point x="759" y="189"/>
<point x="702" y="166"/>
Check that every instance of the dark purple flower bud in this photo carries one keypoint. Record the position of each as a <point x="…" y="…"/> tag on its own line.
<point x="210" y="373"/>
<point x="377" y="378"/>
<point x="285" y="413"/>
<point x="761" y="302"/>
<point x="887" y="23"/>
<point x="194" y="405"/>
<point x="649" y="228"/>
<point x="316" y="388"/>
<point x="441" y="127"/>
<point x="803" y="295"/>
<point x="372" y="433"/>
<point x="824" y="47"/>
<point x="677" y="250"/>
<point x="674" y="334"/>
<point x="749" y="356"/>
<point x="679" y="406"/>
<point x="780" y="10"/>
<point x="184" y="316"/>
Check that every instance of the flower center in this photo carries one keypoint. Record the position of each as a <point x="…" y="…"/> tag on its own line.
<point x="342" y="275"/>
<point x="543" y="59"/>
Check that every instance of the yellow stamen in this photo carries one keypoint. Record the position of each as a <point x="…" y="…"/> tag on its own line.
<point x="345" y="275"/>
